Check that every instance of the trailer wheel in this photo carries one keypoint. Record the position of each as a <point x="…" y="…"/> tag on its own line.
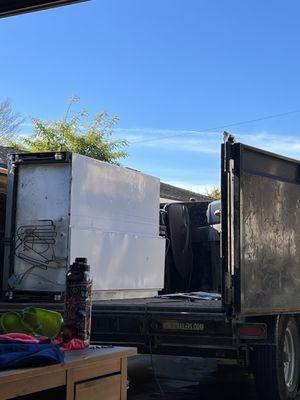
<point x="276" y="368"/>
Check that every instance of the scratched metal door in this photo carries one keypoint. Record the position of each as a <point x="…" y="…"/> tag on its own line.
<point x="264" y="268"/>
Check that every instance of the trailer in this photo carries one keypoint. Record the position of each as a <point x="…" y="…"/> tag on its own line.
<point x="256" y="319"/>
<point x="236" y="297"/>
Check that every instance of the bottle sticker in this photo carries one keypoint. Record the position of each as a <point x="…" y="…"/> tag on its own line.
<point x="78" y="309"/>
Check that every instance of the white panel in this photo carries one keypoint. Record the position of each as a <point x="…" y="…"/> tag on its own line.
<point x="114" y="222"/>
<point x="43" y="193"/>
<point x="120" y="261"/>
<point x="112" y="198"/>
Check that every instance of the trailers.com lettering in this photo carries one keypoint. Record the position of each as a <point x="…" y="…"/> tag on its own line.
<point x="184" y="326"/>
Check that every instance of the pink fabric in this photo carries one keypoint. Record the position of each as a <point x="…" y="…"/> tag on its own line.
<point x="73" y="344"/>
<point x="21" y="337"/>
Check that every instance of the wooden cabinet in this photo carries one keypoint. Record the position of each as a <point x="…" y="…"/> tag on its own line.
<point x="90" y="374"/>
<point x="108" y="388"/>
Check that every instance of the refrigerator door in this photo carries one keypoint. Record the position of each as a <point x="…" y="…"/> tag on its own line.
<point x="41" y="227"/>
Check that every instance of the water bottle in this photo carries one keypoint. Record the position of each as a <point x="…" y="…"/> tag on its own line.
<point x="78" y="302"/>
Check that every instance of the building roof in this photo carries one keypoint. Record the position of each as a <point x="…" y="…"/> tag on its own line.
<point x="170" y="192"/>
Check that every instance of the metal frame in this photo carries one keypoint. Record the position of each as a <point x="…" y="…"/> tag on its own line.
<point x="12" y="179"/>
<point x="250" y="161"/>
<point x="14" y="161"/>
<point x="46" y="157"/>
<point x="226" y="228"/>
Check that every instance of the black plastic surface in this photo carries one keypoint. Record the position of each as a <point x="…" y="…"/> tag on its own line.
<point x="14" y="7"/>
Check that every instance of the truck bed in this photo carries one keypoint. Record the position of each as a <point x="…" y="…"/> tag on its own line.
<point x="164" y="326"/>
<point x="158" y="304"/>
<point x="157" y="325"/>
<point x="153" y="304"/>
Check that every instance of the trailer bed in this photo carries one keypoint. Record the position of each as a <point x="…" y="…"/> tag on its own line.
<point x="155" y="304"/>
<point x="164" y="326"/>
<point x="159" y="304"/>
<point x="156" y="325"/>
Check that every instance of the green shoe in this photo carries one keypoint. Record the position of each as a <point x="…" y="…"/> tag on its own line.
<point x="11" y="322"/>
<point x="43" y="322"/>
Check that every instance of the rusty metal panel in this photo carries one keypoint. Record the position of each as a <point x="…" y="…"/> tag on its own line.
<point x="267" y="233"/>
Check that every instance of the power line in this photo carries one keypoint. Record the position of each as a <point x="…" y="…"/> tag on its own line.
<point x="218" y="127"/>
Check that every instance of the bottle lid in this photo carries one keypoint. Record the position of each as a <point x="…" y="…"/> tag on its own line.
<point x="80" y="264"/>
<point x="81" y="260"/>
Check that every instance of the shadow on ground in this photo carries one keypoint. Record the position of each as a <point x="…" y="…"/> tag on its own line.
<point x="187" y="379"/>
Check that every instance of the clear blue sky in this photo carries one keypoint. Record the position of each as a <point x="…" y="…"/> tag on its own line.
<point x="165" y="67"/>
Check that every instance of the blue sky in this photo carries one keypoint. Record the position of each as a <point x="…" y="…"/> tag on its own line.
<point x="167" y="68"/>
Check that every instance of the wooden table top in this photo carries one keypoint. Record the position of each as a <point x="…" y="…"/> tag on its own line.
<point x="73" y="358"/>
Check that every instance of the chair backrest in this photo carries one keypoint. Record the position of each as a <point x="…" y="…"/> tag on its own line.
<point x="179" y="233"/>
<point x="206" y="242"/>
<point x="213" y="214"/>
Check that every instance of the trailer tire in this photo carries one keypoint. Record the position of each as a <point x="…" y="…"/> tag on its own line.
<point x="276" y="368"/>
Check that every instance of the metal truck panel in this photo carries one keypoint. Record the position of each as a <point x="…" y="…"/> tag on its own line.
<point x="266" y="234"/>
<point x="113" y="198"/>
<point x="120" y="261"/>
<point x="115" y="221"/>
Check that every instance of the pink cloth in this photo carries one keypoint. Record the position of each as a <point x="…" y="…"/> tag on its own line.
<point x="73" y="344"/>
<point x="20" y="337"/>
